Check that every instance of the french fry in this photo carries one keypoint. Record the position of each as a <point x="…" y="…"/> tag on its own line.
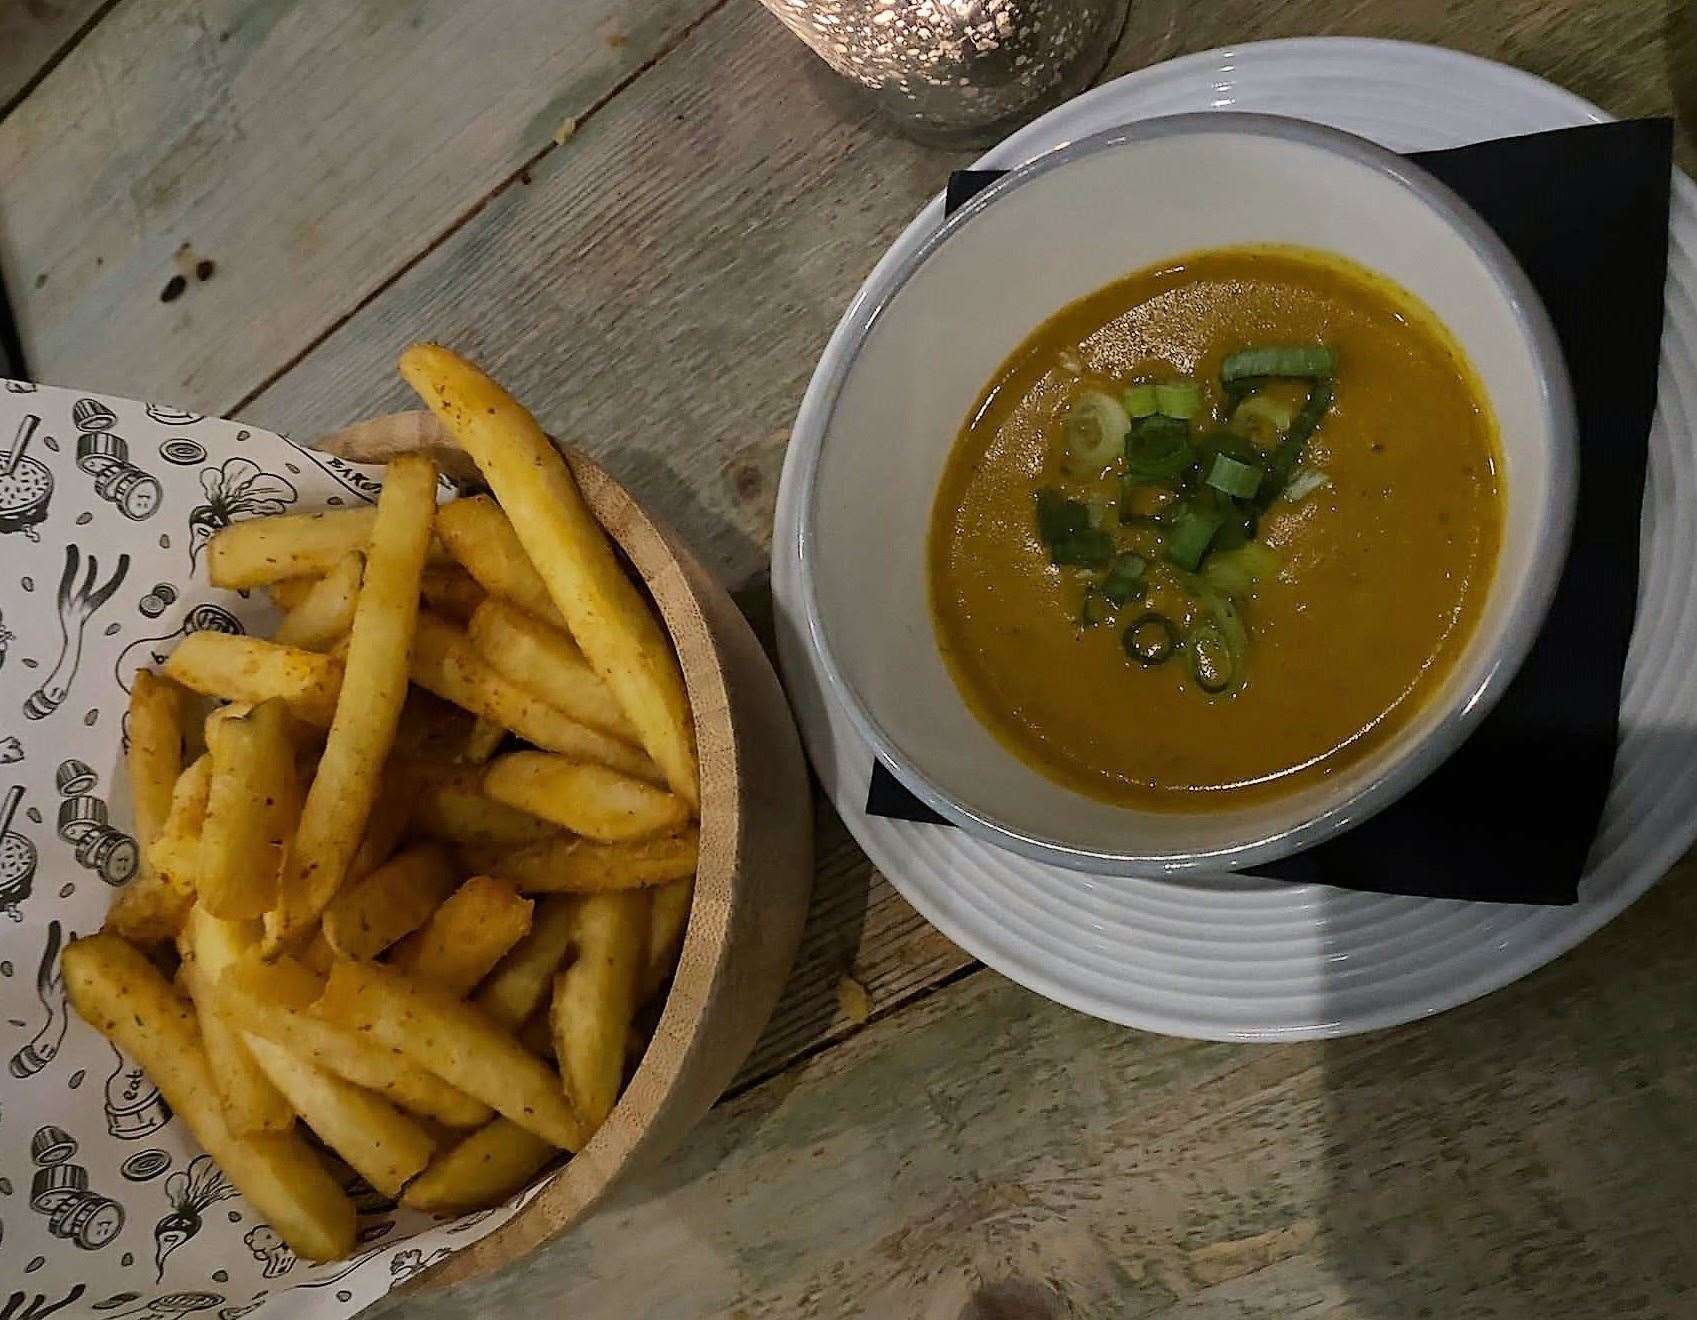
<point x="380" y="1143"/>
<point x="274" y="1001"/>
<point x="444" y="663"/>
<point x="453" y="808"/>
<point x="602" y="607"/>
<point x="595" y="999"/>
<point x="478" y="534"/>
<point x="467" y="935"/>
<point x="590" y="800"/>
<point x="150" y="907"/>
<point x="251" y="1103"/>
<point x="384" y="826"/>
<point x="238" y="668"/>
<point x="483" y="741"/>
<point x="456" y="1042"/>
<point x="369" y="915"/>
<point x="369" y="705"/>
<point x="303" y="737"/>
<point x="153" y="907"/>
<point x="251" y="812"/>
<point x="566" y="864"/>
<point x="519" y="984"/>
<point x="667" y="920"/>
<point x="119" y="993"/>
<point x="537" y="1032"/>
<point x="451" y="592"/>
<point x="545" y="662"/>
<point x="325" y="611"/>
<point x="484" y="1169"/>
<point x="260" y="551"/>
<point x="289" y="592"/>
<point x="432" y="729"/>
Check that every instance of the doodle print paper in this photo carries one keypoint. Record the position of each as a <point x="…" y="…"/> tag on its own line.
<point x="108" y="1208"/>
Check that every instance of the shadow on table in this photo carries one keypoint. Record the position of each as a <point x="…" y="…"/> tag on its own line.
<point x="1533" y="1154"/>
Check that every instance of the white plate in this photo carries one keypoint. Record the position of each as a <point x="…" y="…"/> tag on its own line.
<point x="1241" y="958"/>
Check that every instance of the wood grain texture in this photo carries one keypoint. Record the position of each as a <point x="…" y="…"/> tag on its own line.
<point x="988" y="1154"/>
<point x="33" y="33"/>
<point x="310" y="148"/>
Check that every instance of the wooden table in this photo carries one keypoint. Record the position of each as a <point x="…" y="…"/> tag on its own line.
<point x="657" y="286"/>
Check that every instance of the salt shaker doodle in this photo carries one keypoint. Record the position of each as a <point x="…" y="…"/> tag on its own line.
<point x="102" y="848"/>
<point x="60" y="1191"/>
<point x="26" y="484"/>
<point x="105" y="456"/>
<point x="190" y="1192"/>
<point x="134" y="1107"/>
<point x="17" y="857"/>
<point x="77" y="604"/>
<point x="235" y="489"/>
<point x="43" y="1047"/>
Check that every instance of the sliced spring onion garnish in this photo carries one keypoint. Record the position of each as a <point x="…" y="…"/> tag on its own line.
<point x="1124" y="579"/>
<point x="1140" y="400"/>
<point x="1158" y="450"/>
<point x="1289" y="453"/>
<point x="1150" y="639"/>
<point x="1211" y="662"/>
<point x="1179" y="398"/>
<point x="1311" y="361"/>
<point x="1262" y="417"/>
<point x="1235" y="572"/>
<point x="1094" y="429"/>
<point x="1063" y="526"/>
<point x="1094" y="609"/>
<point x="1233" y="477"/>
<point x="1304" y="481"/>
<point x="1191" y="531"/>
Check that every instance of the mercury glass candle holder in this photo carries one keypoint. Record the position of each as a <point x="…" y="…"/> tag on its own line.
<point x="960" y="72"/>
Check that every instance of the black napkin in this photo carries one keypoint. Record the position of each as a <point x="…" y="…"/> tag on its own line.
<point x="11" y="345"/>
<point x="1510" y="817"/>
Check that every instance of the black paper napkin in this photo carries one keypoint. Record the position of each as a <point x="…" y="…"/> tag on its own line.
<point x="1510" y="816"/>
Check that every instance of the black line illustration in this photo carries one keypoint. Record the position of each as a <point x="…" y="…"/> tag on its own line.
<point x="472" y="1220"/>
<point x="102" y="848"/>
<point x="411" y="1260"/>
<point x="182" y="451"/>
<point x="206" y="617"/>
<point x="116" y="1300"/>
<point x="76" y="606"/>
<point x="11" y="750"/>
<point x="7" y="637"/>
<point x="348" y="1267"/>
<point x="17" y="857"/>
<point x="168" y="1304"/>
<point x="26" y="484"/>
<point x="145" y="1165"/>
<point x="164" y="412"/>
<point x="269" y="1250"/>
<point x="105" y="456"/>
<point x="43" y="1047"/>
<point x="40" y="1308"/>
<point x="237" y="1312"/>
<point x="20" y="387"/>
<point x="366" y="1198"/>
<point x="190" y="1191"/>
<point x="344" y="474"/>
<point x="134" y="1107"/>
<point x="155" y="602"/>
<point x="235" y="489"/>
<point x="60" y="1191"/>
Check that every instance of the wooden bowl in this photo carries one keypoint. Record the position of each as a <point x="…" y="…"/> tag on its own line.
<point x="751" y="889"/>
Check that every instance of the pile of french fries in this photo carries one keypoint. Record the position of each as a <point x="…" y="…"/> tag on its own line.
<point x="417" y="870"/>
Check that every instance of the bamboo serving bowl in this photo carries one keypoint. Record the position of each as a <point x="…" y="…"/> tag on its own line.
<point x="755" y="869"/>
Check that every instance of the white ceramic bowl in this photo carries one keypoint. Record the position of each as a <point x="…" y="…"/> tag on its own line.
<point x="924" y="337"/>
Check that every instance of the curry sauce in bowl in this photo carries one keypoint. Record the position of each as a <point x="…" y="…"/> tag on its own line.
<point x="1185" y="497"/>
<point x="1216" y="529"/>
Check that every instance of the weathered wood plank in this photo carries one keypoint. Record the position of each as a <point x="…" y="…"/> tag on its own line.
<point x="986" y="1153"/>
<point x="308" y="147"/>
<point x="33" y="33"/>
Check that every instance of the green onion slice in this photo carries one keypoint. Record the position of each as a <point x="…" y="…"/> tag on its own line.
<point x="1124" y="580"/>
<point x="1289" y="452"/>
<point x="1140" y="400"/>
<point x="1235" y="572"/>
<point x="1094" y="610"/>
<point x="1211" y="661"/>
<point x="1158" y="450"/>
<point x="1232" y="477"/>
<point x="1180" y="398"/>
<point x="1310" y="361"/>
<point x="1262" y="417"/>
<point x="1064" y="526"/>
<point x="1094" y="430"/>
<point x="1150" y="639"/>
<point x="1190" y="532"/>
<point x="1304" y="481"/>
